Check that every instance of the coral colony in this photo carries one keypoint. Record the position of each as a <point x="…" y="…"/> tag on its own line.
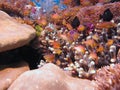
<point x="77" y="46"/>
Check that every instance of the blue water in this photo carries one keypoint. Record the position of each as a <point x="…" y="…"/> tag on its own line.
<point x="48" y="4"/>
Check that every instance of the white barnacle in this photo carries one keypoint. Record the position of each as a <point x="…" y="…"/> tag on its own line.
<point x="51" y="49"/>
<point x="46" y="38"/>
<point x="112" y="21"/>
<point x="92" y="71"/>
<point x="113" y="60"/>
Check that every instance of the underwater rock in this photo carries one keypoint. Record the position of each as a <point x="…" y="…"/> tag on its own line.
<point x="92" y="13"/>
<point x="50" y="77"/>
<point x="10" y="72"/>
<point x="13" y="34"/>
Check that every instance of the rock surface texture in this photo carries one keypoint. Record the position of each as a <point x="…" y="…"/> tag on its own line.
<point x="50" y="77"/>
<point x="87" y="14"/>
<point x="13" y="34"/>
<point x="10" y="72"/>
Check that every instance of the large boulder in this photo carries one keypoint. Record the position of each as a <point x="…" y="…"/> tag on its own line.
<point x="50" y="77"/>
<point x="10" y="72"/>
<point x="13" y="34"/>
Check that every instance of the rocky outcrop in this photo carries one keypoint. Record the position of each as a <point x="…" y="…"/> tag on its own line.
<point x="92" y="13"/>
<point x="10" y="72"/>
<point x="13" y="34"/>
<point x="50" y="77"/>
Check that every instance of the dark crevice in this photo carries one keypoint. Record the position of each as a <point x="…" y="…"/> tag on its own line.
<point x="75" y="23"/>
<point x="112" y="1"/>
<point x="107" y="15"/>
<point x="9" y="57"/>
<point x="77" y="2"/>
<point x="31" y="56"/>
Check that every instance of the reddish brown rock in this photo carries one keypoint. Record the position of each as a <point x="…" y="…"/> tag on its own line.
<point x="9" y="73"/>
<point x="50" y="77"/>
<point x="92" y="13"/>
<point x="13" y="34"/>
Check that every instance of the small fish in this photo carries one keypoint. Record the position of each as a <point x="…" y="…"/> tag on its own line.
<point x="57" y="51"/>
<point x="80" y="48"/>
<point x="55" y="16"/>
<point x="49" y="57"/>
<point x="100" y="48"/>
<point x="85" y="2"/>
<point x="73" y="35"/>
<point x="26" y="12"/>
<point x="56" y="44"/>
<point x="42" y="22"/>
<point x="81" y="28"/>
<point x="69" y="26"/>
<point x="31" y="3"/>
<point x="58" y="62"/>
<point x="109" y="42"/>
<point x="95" y="37"/>
<point x="67" y="2"/>
<point x="63" y="37"/>
<point x="94" y="57"/>
<point x="90" y="43"/>
<point x="90" y="27"/>
<point x="105" y="25"/>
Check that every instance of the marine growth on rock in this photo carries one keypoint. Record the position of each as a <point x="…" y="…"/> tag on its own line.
<point x="81" y="38"/>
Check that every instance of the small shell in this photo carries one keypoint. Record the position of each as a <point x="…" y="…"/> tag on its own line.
<point x="106" y="25"/>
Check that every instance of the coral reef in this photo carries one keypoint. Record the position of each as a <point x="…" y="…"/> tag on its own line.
<point x="81" y="39"/>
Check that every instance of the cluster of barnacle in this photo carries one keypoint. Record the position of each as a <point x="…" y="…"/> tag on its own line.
<point x="82" y="48"/>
